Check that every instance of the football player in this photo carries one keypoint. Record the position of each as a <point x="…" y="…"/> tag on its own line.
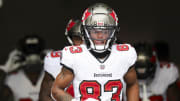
<point x="25" y="82"/>
<point x="10" y="66"/>
<point x="5" y="92"/>
<point x="167" y="71"/>
<point x="99" y="68"/>
<point x="145" y="67"/>
<point x="154" y="81"/>
<point x="52" y="61"/>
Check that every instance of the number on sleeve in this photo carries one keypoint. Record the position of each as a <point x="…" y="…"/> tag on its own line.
<point x="55" y="54"/>
<point x="75" y="49"/>
<point x="122" y="47"/>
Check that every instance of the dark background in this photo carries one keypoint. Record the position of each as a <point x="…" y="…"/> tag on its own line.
<point x="140" y="20"/>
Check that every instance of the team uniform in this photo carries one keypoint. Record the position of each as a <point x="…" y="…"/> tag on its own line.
<point x="101" y="80"/>
<point x="53" y="67"/>
<point x="165" y="75"/>
<point x="22" y="87"/>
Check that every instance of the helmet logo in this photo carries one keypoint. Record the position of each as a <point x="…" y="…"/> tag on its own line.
<point x="114" y="16"/>
<point x="70" y="25"/>
<point x="100" y="23"/>
<point x="85" y="15"/>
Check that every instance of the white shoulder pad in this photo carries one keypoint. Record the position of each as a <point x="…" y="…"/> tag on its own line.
<point x="128" y="52"/>
<point x="69" y="54"/>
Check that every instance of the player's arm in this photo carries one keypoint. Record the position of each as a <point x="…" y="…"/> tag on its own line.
<point x="45" y="91"/>
<point x="132" y="90"/>
<point x="62" y="81"/>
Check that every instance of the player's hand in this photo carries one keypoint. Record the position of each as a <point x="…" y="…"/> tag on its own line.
<point x="13" y="62"/>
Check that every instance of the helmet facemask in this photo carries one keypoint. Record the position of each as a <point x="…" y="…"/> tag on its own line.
<point x="100" y="38"/>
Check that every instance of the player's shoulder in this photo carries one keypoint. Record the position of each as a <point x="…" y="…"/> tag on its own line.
<point x="173" y="67"/>
<point x="168" y="66"/>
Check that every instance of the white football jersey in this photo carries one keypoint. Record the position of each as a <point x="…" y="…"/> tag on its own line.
<point x="99" y="80"/>
<point x="52" y="63"/>
<point x="156" y="90"/>
<point x="22" y="87"/>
